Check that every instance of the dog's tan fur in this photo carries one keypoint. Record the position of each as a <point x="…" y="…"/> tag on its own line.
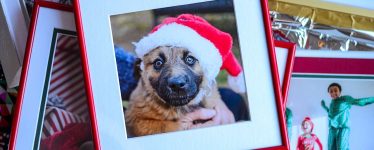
<point x="148" y="113"/>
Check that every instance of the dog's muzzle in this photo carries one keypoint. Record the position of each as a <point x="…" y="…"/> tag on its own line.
<point x="179" y="90"/>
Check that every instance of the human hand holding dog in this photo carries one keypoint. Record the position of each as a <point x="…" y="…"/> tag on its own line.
<point x="224" y="115"/>
<point x="220" y="114"/>
<point x="198" y="115"/>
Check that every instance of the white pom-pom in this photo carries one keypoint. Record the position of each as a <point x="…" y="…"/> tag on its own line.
<point x="142" y="66"/>
<point x="237" y="83"/>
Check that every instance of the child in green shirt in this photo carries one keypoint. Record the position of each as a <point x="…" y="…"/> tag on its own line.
<point x="338" y="114"/>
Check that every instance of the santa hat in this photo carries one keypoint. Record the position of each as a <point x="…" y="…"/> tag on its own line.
<point x="209" y="45"/>
<point x="307" y="119"/>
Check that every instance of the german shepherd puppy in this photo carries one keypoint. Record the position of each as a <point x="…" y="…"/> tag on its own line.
<point x="172" y="83"/>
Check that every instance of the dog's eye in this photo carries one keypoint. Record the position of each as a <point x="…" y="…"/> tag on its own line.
<point x="157" y="64"/>
<point x="190" y="60"/>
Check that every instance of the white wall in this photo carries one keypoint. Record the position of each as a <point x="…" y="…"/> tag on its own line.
<point x="304" y="100"/>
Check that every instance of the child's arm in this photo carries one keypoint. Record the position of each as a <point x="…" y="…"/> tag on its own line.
<point x="323" y="104"/>
<point x="318" y="142"/>
<point x="359" y="101"/>
<point x="299" y="143"/>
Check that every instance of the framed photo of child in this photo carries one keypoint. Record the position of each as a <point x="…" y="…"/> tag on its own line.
<point x="156" y="79"/>
<point x="334" y="89"/>
<point x="51" y="111"/>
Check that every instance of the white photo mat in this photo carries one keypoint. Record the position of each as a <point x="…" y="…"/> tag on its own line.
<point x="282" y="55"/>
<point x="262" y="131"/>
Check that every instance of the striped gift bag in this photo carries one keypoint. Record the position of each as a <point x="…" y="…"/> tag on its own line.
<point x="57" y="119"/>
<point x="67" y="102"/>
<point x="67" y="79"/>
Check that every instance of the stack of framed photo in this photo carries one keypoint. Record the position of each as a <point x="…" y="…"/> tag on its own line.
<point x="72" y="85"/>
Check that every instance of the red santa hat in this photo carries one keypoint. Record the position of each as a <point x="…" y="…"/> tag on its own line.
<point x="209" y="45"/>
<point x="307" y="119"/>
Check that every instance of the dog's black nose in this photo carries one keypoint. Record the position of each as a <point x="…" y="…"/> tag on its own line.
<point x="177" y="83"/>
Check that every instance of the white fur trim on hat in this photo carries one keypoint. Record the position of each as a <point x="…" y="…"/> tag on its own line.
<point x="237" y="83"/>
<point x="178" y="35"/>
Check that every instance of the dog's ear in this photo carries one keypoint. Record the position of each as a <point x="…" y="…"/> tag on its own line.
<point x="137" y="69"/>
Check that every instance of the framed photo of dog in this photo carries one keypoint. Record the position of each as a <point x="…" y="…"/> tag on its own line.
<point x="326" y="81"/>
<point x="51" y="110"/>
<point x="171" y="74"/>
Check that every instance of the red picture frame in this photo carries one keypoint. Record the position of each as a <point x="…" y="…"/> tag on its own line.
<point x="279" y="95"/>
<point x="24" y="86"/>
<point x="316" y="70"/>
<point x="291" y="47"/>
<point x="277" y="91"/>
